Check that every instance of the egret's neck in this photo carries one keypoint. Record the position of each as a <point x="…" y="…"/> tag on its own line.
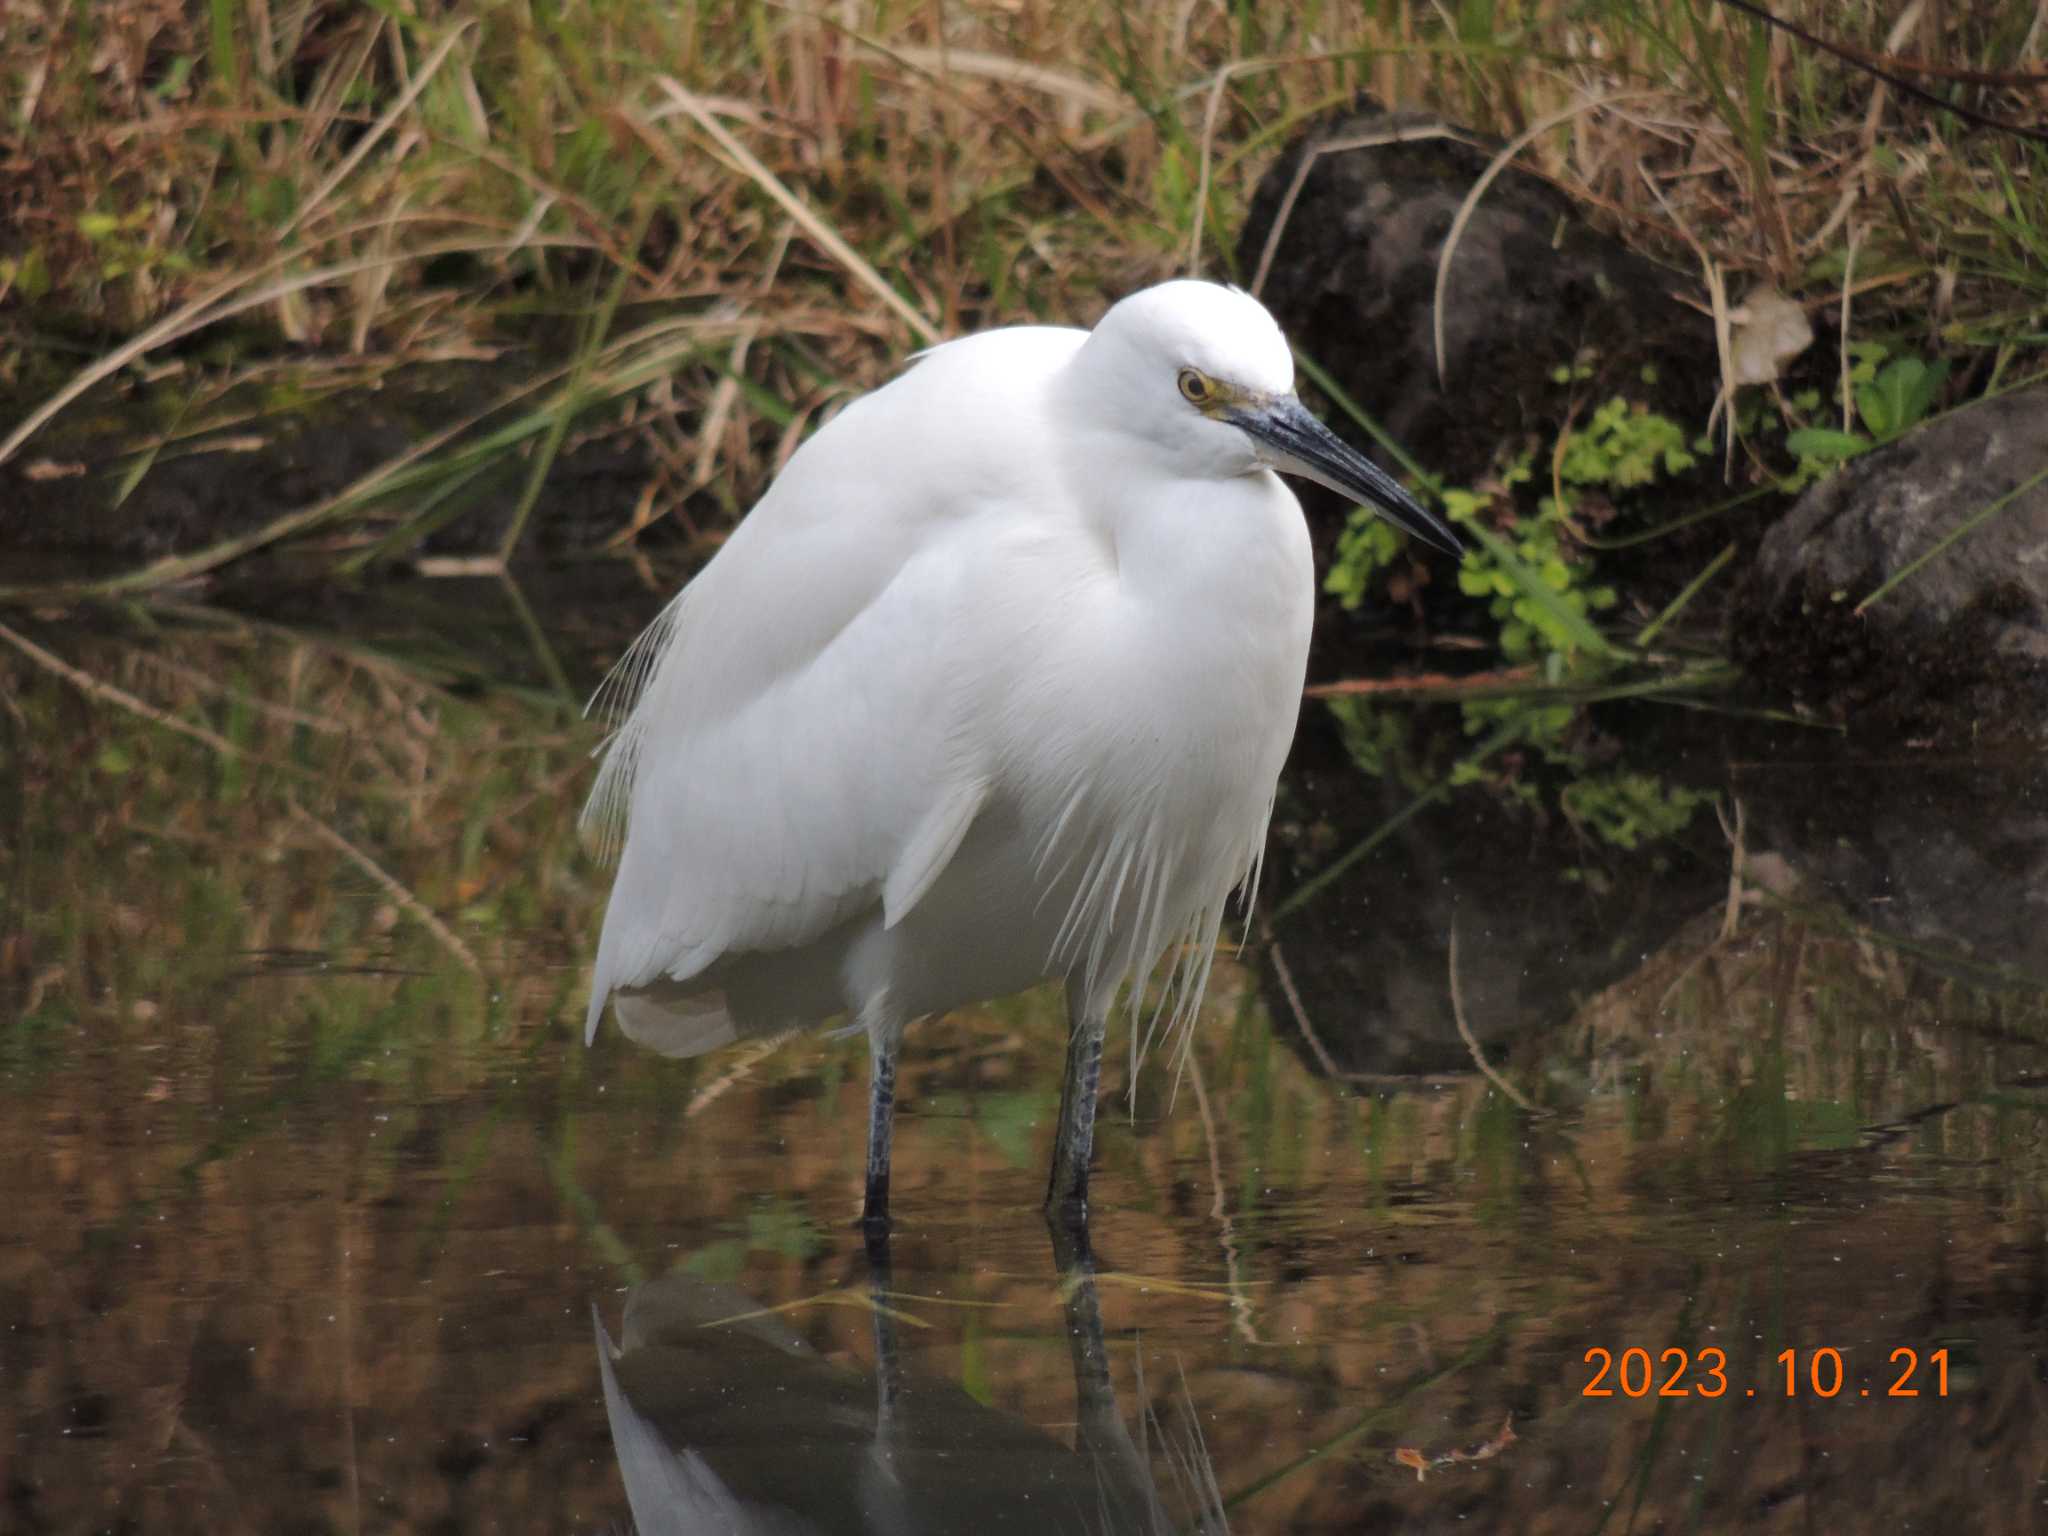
<point x="1228" y="544"/>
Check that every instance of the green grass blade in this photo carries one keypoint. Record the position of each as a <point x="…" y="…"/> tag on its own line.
<point x="1692" y="590"/>
<point x="1961" y="531"/>
<point x="1531" y="585"/>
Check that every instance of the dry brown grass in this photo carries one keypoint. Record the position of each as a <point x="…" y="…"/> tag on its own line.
<point x="827" y="185"/>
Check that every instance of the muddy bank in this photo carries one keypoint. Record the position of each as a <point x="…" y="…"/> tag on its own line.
<point x="113" y="482"/>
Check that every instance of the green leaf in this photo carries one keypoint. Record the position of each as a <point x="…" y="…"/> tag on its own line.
<point x="1537" y="593"/>
<point x="1886" y="402"/>
<point x="173" y="83"/>
<point x="720" y="1262"/>
<point x="1826" y="444"/>
<point x="32" y="275"/>
<point x="1919" y="399"/>
<point x="1366" y="546"/>
<point x="1171" y="182"/>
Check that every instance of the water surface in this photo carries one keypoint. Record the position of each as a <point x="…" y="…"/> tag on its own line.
<point x="322" y="1218"/>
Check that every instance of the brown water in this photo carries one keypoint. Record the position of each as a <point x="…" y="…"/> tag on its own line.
<point x="320" y="1216"/>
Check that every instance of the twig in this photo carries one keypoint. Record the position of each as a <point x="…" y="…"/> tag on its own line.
<point x="214" y="306"/>
<point x="1501" y="679"/>
<point x="1967" y="526"/>
<point x="1064" y="86"/>
<point x="725" y="397"/>
<point x="1873" y="64"/>
<point x="741" y="1066"/>
<point x="1731" y="918"/>
<point x="1717" y="306"/>
<point x="200" y="680"/>
<point x="391" y="887"/>
<point x="1240" y="1304"/>
<point x="1472" y="1044"/>
<point x="382" y="126"/>
<point x="377" y="481"/>
<point x="1470" y="205"/>
<point x="1314" y="151"/>
<point x="1855" y="184"/>
<point x="829" y="239"/>
<point x="107" y="693"/>
<point x="1209" y="114"/>
<point x="1293" y="995"/>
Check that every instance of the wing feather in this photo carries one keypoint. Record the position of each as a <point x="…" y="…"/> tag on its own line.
<point x="931" y="848"/>
<point x="797" y="747"/>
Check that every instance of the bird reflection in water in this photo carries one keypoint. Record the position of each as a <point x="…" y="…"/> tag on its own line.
<point x="725" y="1420"/>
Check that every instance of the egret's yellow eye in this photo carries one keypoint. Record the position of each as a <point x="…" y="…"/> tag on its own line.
<point x="1195" y="387"/>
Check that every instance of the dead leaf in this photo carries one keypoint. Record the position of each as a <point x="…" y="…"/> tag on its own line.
<point x="1766" y="331"/>
<point x="1486" y="1450"/>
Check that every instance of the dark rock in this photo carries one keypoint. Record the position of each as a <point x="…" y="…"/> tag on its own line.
<point x="1941" y="859"/>
<point x="1545" y="915"/>
<point x="1946" y="859"/>
<point x="1353" y="278"/>
<point x="1959" y="650"/>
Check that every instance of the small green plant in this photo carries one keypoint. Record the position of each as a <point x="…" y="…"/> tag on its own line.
<point x="1623" y="447"/>
<point x="1379" y="741"/>
<point x="773" y="1227"/>
<point x="1629" y="809"/>
<point x="1543" y="593"/>
<point x="1541" y="596"/>
<point x="1891" y="398"/>
<point x="1368" y="545"/>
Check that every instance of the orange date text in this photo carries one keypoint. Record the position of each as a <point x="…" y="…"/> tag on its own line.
<point x="1824" y="1372"/>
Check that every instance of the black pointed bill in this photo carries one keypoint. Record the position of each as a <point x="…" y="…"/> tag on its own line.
<point x="1297" y="444"/>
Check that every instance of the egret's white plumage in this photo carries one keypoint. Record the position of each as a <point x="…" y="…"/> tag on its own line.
<point x="993" y="685"/>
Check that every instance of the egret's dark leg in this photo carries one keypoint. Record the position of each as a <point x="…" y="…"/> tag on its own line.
<point x="885" y="1033"/>
<point x="874" y="1215"/>
<point x="1066" y="1195"/>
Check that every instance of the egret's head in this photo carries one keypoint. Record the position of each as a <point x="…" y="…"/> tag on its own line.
<point x="1203" y="372"/>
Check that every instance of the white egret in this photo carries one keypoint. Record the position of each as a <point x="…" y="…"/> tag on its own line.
<point x="993" y="686"/>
